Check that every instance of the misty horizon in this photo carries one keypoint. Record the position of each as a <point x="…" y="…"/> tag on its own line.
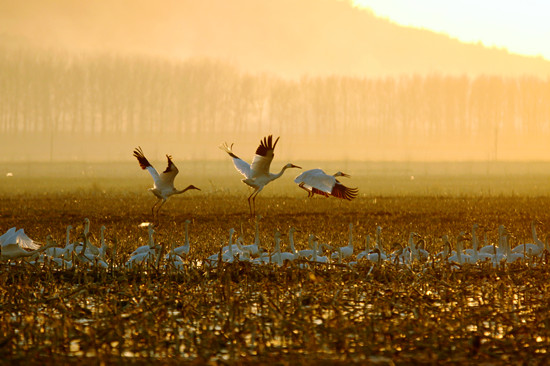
<point x="92" y="81"/>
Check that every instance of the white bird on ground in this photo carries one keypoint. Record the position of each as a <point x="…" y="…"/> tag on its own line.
<point x="318" y="256"/>
<point x="77" y="247"/>
<point x="257" y="175"/>
<point x="184" y="249"/>
<point x="347" y="251"/>
<point x="316" y="181"/>
<point x="411" y="253"/>
<point x="227" y="252"/>
<point x="378" y="240"/>
<point x="534" y="249"/>
<point x="290" y="256"/>
<point x="367" y="250"/>
<point x="174" y="260"/>
<point x="446" y="252"/>
<point x="277" y="256"/>
<point x="87" y="257"/>
<point x="307" y="253"/>
<point x="493" y="249"/>
<point x="58" y="252"/>
<point x="144" y="252"/>
<point x="164" y="182"/>
<point x="293" y="250"/>
<point x="510" y="256"/>
<point x="11" y="249"/>
<point x="243" y="254"/>
<point x="459" y="256"/>
<point x="255" y="249"/>
<point x="103" y="248"/>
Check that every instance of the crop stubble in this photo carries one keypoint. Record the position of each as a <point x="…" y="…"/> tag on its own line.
<point x="423" y="313"/>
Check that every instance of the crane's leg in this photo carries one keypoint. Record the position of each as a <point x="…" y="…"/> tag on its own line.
<point x="153" y="208"/>
<point x="158" y="209"/>
<point x="249" y="204"/>
<point x="309" y="193"/>
<point x="253" y="196"/>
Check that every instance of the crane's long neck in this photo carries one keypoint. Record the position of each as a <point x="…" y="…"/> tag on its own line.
<point x="230" y="245"/>
<point x="411" y="243"/>
<point x="291" y="241"/>
<point x="315" y="247"/>
<point x="277" y="244"/>
<point x="185" y="190"/>
<point x="68" y="238"/>
<point x="278" y="175"/>
<point x="379" y="238"/>
<point x="507" y="248"/>
<point x="310" y="241"/>
<point x="501" y="232"/>
<point x="86" y="226"/>
<point x="459" y="248"/>
<point x="446" y="246"/>
<point x="151" y="241"/>
<point x="536" y="239"/>
<point x="102" y="237"/>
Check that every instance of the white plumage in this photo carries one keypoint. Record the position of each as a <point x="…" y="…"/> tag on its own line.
<point x="316" y="181"/>
<point x="164" y="182"/>
<point x="257" y="175"/>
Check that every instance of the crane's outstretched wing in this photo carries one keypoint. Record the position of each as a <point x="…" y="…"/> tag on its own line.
<point x="24" y="241"/>
<point x="264" y="156"/>
<point x="144" y="164"/>
<point x="341" y="191"/>
<point x="242" y="166"/>
<point x="169" y="174"/>
<point x="18" y="237"/>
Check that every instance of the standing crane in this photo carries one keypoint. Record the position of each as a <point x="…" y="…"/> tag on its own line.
<point x="316" y="181"/>
<point x="257" y="175"/>
<point x="164" y="182"/>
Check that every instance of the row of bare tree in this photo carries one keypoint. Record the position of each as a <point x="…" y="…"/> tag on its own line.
<point x="112" y="95"/>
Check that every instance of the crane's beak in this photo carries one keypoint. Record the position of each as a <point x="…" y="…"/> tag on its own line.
<point x="346" y="175"/>
<point x="296" y="166"/>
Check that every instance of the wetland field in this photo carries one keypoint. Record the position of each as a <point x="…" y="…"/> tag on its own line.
<point x="428" y="311"/>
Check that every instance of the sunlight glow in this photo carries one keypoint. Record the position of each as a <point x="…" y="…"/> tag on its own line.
<point x="519" y="26"/>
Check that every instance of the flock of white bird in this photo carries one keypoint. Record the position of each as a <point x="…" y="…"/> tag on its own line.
<point x="15" y="244"/>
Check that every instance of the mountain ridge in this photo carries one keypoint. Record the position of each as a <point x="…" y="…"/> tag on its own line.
<point x="283" y="37"/>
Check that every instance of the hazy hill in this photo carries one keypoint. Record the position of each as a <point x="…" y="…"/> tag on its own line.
<point x="284" y="37"/>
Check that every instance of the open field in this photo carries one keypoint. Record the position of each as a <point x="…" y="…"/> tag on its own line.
<point x="426" y="312"/>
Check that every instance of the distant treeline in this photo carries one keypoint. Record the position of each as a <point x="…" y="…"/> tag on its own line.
<point x="54" y="93"/>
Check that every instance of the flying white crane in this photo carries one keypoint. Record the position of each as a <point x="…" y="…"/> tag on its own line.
<point x="257" y="175"/>
<point x="316" y="181"/>
<point x="164" y="182"/>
